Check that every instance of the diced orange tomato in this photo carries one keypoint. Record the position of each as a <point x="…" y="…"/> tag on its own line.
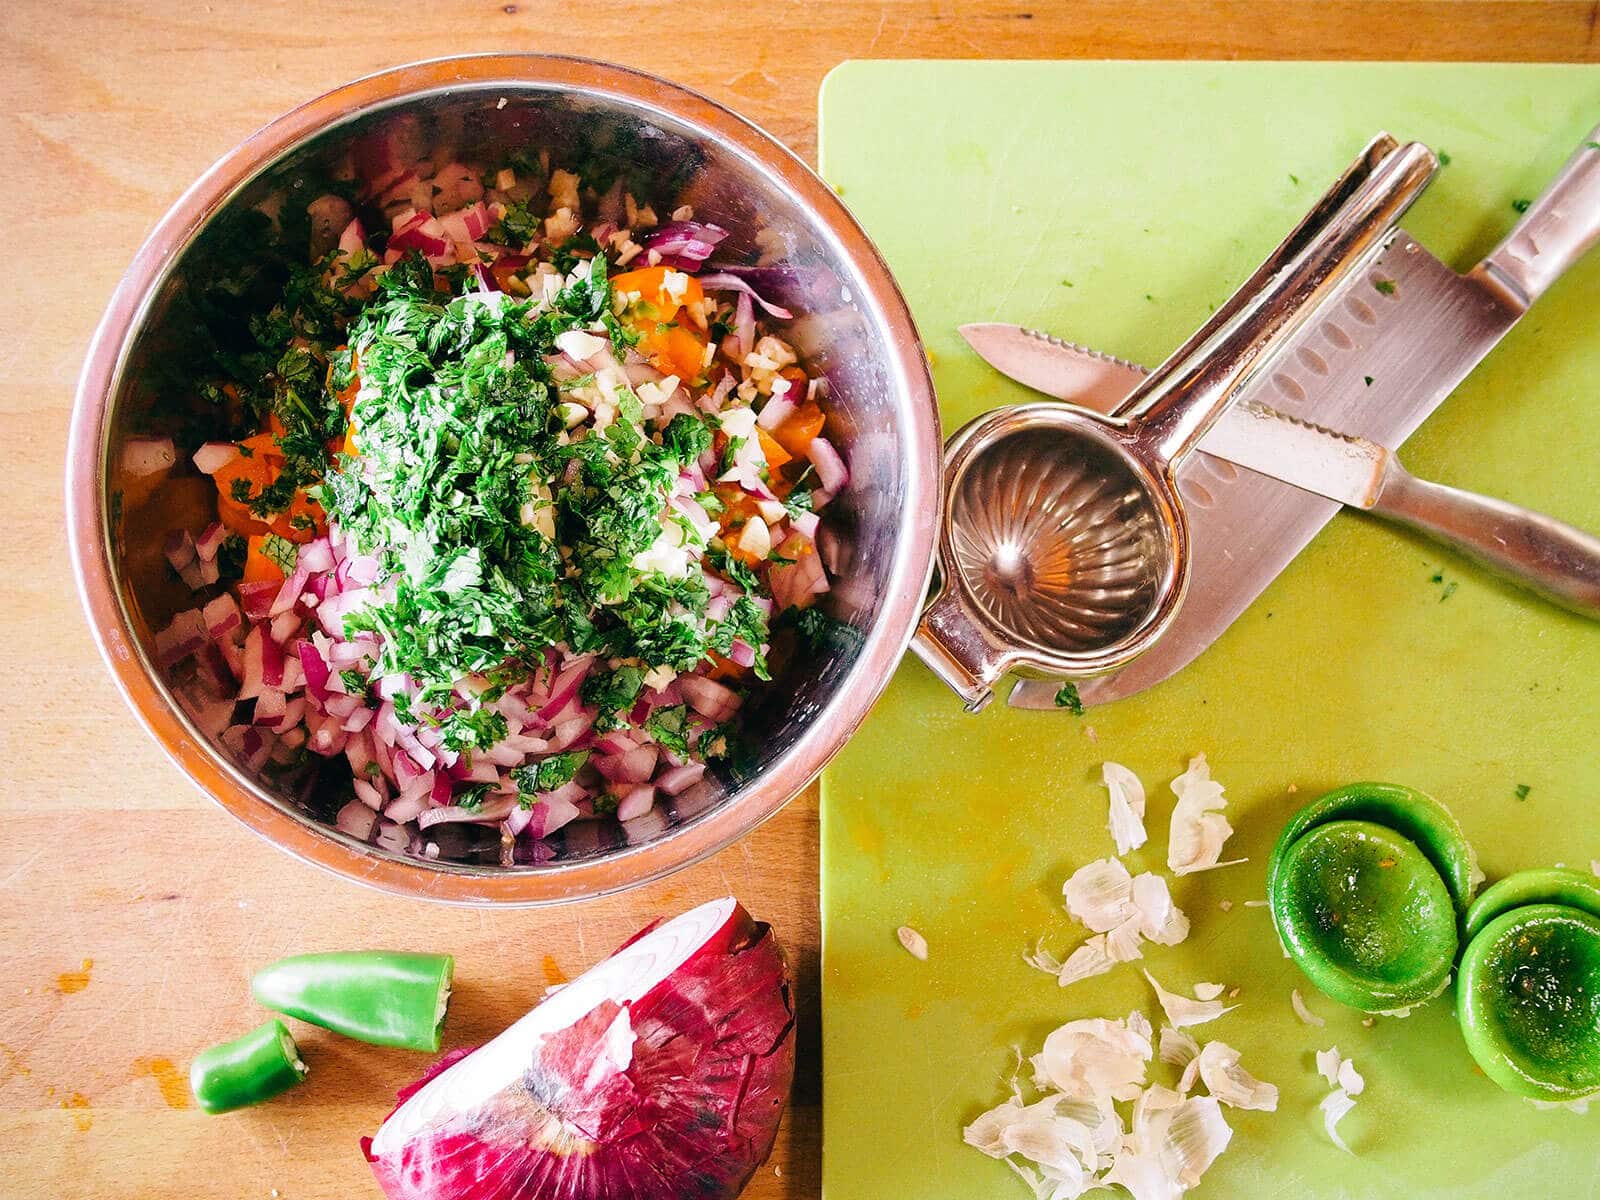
<point x="672" y="346"/>
<point x="776" y="454"/>
<point x="675" y="350"/>
<point x="302" y="521"/>
<point x="648" y="283"/>
<point x="797" y="432"/>
<point x="257" y="471"/>
<point x="257" y="566"/>
<point x="723" y="668"/>
<point x="263" y="445"/>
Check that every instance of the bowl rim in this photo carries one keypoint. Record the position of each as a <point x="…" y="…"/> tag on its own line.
<point x="136" y="678"/>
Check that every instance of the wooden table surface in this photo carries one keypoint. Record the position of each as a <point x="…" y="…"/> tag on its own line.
<point x="131" y="910"/>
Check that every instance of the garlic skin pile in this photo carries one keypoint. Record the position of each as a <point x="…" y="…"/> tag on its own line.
<point x="1074" y="1139"/>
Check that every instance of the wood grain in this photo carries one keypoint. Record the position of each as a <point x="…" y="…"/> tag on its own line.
<point x="107" y="111"/>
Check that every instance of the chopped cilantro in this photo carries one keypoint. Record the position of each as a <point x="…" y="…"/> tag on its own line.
<point x="1522" y="206"/>
<point x="517" y="228"/>
<point x="1067" y="697"/>
<point x="726" y="744"/>
<point x="462" y="730"/>
<point x="355" y="683"/>
<point x="471" y="798"/>
<point x="547" y="774"/>
<point x="669" y="728"/>
<point x="1385" y="286"/>
<point x="798" y="500"/>
<point x="1444" y="158"/>
<point x="611" y="693"/>
<point x="1522" y="791"/>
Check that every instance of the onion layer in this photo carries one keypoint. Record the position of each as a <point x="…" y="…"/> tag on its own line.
<point x="662" y="1072"/>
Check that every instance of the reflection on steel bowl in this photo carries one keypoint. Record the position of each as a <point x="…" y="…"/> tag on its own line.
<point x="135" y="477"/>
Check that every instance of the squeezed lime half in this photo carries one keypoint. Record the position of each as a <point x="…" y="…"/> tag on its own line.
<point x="1547" y="885"/>
<point x="1365" y="914"/>
<point x="1530" y="1001"/>
<point x="1416" y="815"/>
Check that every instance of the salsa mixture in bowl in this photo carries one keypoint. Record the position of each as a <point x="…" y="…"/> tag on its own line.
<point x="525" y="493"/>
<point x="504" y="479"/>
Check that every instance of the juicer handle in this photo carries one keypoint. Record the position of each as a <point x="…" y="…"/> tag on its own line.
<point x="1183" y="397"/>
<point x="1554" y="233"/>
<point x="960" y="650"/>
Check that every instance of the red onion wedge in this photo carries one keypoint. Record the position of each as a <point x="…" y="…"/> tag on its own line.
<point x="662" y="1072"/>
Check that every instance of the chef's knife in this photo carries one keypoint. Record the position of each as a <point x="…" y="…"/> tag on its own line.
<point x="1394" y="340"/>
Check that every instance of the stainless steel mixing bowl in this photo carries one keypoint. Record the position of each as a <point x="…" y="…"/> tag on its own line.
<point x="852" y="326"/>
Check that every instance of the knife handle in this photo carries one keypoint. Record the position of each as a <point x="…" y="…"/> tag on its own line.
<point x="1555" y="231"/>
<point x="1550" y="557"/>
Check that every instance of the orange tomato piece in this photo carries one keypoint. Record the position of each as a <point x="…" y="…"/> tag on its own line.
<point x="777" y="456"/>
<point x="256" y="472"/>
<point x="649" y="283"/>
<point x="301" y="521"/>
<point x="803" y="425"/>
<point x="676" y="350"/>
<point x="257" y="566"/>
<point x="264" y="445"/>
<point x="723" y="668"/>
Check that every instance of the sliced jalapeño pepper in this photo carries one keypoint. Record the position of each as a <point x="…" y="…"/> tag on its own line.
<point x="386" y="997"/>
<point x="251" y="1069"/>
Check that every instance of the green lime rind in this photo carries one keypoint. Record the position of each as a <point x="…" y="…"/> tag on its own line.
<point x="1548" y="885"/>
<point x="1529" y="1001"/>
<point x="1414" y="814"/>
<point x="1364" y="913"/>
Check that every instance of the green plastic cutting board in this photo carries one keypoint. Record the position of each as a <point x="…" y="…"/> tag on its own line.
<point x="1115" y="203"/>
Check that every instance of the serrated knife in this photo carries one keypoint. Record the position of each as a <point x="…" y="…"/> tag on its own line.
<point x="1555" y="559"/>
<point x="1384" y="350"/>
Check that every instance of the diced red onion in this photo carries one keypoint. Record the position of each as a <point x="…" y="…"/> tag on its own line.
<point x="722" y="281"/>
<point x="493" y="810"/>
<point x="179" y="549"/>
<point x="315" y="669"/>
<point x="708" y="697"/>
<point x="257" y="597"/>
<point x="210" y="540"/>
<point x="353" y="238"/>
<point x="146" y="456"/>
<point x="776" y="412"/>
<point x="356" y="819"/>
<point x="680" y="779"/>
<point x="636" y="802"/>
<point x="213" y="456"/>
<point x="684" y="245"/>
<point x="831" y="471"/>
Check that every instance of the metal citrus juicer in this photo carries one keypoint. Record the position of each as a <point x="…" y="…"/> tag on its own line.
<point x="1064" y="549"/>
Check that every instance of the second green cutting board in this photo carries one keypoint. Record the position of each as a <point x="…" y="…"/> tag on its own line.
<point x="1115" y="203"/>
